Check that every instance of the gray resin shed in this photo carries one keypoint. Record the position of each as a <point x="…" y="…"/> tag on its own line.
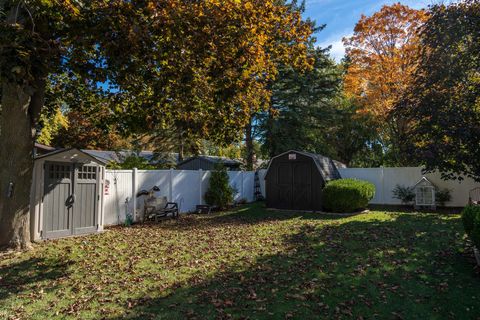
<point x="295" y="180"/>
<point x="67" y="195"/>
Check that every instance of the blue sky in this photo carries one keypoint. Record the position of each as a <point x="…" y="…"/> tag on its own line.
<point x="340" y="16"/>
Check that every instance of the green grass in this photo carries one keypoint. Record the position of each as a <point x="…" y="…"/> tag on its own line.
<point x="251" y="263"/>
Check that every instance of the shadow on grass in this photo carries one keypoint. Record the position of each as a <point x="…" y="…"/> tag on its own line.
<point x="21" y="276"/>
<point x="408" y="267"/>
<point x="246" y="215"/>
<point x="411" y="209"/>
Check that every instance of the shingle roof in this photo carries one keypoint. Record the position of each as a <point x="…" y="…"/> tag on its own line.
<point x="215" y="159"/>
<point x="59" y="151"/>
<point x="118" y="156"/>
<point x="327" y="167"/>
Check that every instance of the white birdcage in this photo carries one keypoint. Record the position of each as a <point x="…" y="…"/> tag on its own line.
<point x="424" y="194"/>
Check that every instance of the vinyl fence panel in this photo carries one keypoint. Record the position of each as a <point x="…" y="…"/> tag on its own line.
<point x="205" y="182"/>
<point x="118" y="190"/>
<point x="236" y="183"/>
<point x="186" y="187"/>
<point x="386" y="179"/>
<point x="248" y="186"/>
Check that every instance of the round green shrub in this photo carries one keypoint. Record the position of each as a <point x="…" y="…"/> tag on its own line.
<point x="468" y="218"/>
<point x="347" y="195"/>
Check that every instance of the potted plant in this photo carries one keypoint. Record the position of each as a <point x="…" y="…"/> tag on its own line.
<point x="405" y="194"/>
<point x="442" y="196"/>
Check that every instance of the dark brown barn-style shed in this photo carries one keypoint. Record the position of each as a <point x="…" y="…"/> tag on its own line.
<point x="295" y="179"/>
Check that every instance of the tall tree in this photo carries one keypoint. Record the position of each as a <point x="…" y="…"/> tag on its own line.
<point x="78" y="114"/>
<point x="201" y="63"/>
<point x="228" y="55"/>
<point x="252" y="128"/>
<point x="301" y="104"/>
<point x="382" y="57"/>
<point x="443" y="102"/>
<point x="351" y="134"/>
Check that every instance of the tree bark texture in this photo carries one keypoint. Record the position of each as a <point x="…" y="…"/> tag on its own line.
<point x="19" y="110"/>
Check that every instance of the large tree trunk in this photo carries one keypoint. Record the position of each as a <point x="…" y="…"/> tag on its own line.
<point x="18" y="114"/>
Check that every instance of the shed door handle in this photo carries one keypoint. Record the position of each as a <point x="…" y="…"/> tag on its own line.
<point x="70" y="200"/>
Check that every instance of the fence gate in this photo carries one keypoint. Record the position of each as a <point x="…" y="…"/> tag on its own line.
<point x="69" y="199"/>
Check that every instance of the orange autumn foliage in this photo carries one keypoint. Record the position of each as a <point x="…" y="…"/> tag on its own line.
<point x="382" y="56"/>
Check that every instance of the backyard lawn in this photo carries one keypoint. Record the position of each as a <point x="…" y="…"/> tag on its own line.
<point x="251" y="264"/>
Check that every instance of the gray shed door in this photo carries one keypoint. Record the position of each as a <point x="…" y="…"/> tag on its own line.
<point x="58" y="200"/>
<point x="70" y="199"/>
<point x="84" y="208"/>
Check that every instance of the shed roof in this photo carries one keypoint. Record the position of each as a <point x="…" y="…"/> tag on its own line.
<point x="327" y="167"/>
<point x="71" y="150"/>
<point x="44" y="147"/>
<point x="424" y="179"/>
<point x="215" y="160"/>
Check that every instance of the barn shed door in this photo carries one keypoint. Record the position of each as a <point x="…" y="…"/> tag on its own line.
<point x="85" y="206"/>
<point x="284" y="175"/>
<point x="58" y="200"/>
<point x="302" y="186"/>
<point x="294" y="186"/>
<point x="69" y="200"/>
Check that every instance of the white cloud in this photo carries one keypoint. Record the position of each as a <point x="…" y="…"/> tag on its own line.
<point x="337" y="50"/>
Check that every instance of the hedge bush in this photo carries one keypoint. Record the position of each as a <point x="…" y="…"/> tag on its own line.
<point x="347" y="195"/>
<point x="471" y="223"/>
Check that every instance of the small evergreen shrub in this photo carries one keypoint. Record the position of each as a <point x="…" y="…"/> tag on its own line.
<point x="219" y="192"/>
<point x="442" y="196"/>
<point x="475" y="234"/>
<point x="469" y="215"/>
<point x="404" y="194"/>
<point x="347" y="195"/>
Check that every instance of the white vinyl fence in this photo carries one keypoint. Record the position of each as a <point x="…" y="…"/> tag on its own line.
<point x="186" y="187"/>
<point x="385" y="180"/>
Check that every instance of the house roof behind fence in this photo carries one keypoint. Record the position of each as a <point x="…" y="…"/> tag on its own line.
<point x="214" y="159"/>
<point x="119" y="156"/>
